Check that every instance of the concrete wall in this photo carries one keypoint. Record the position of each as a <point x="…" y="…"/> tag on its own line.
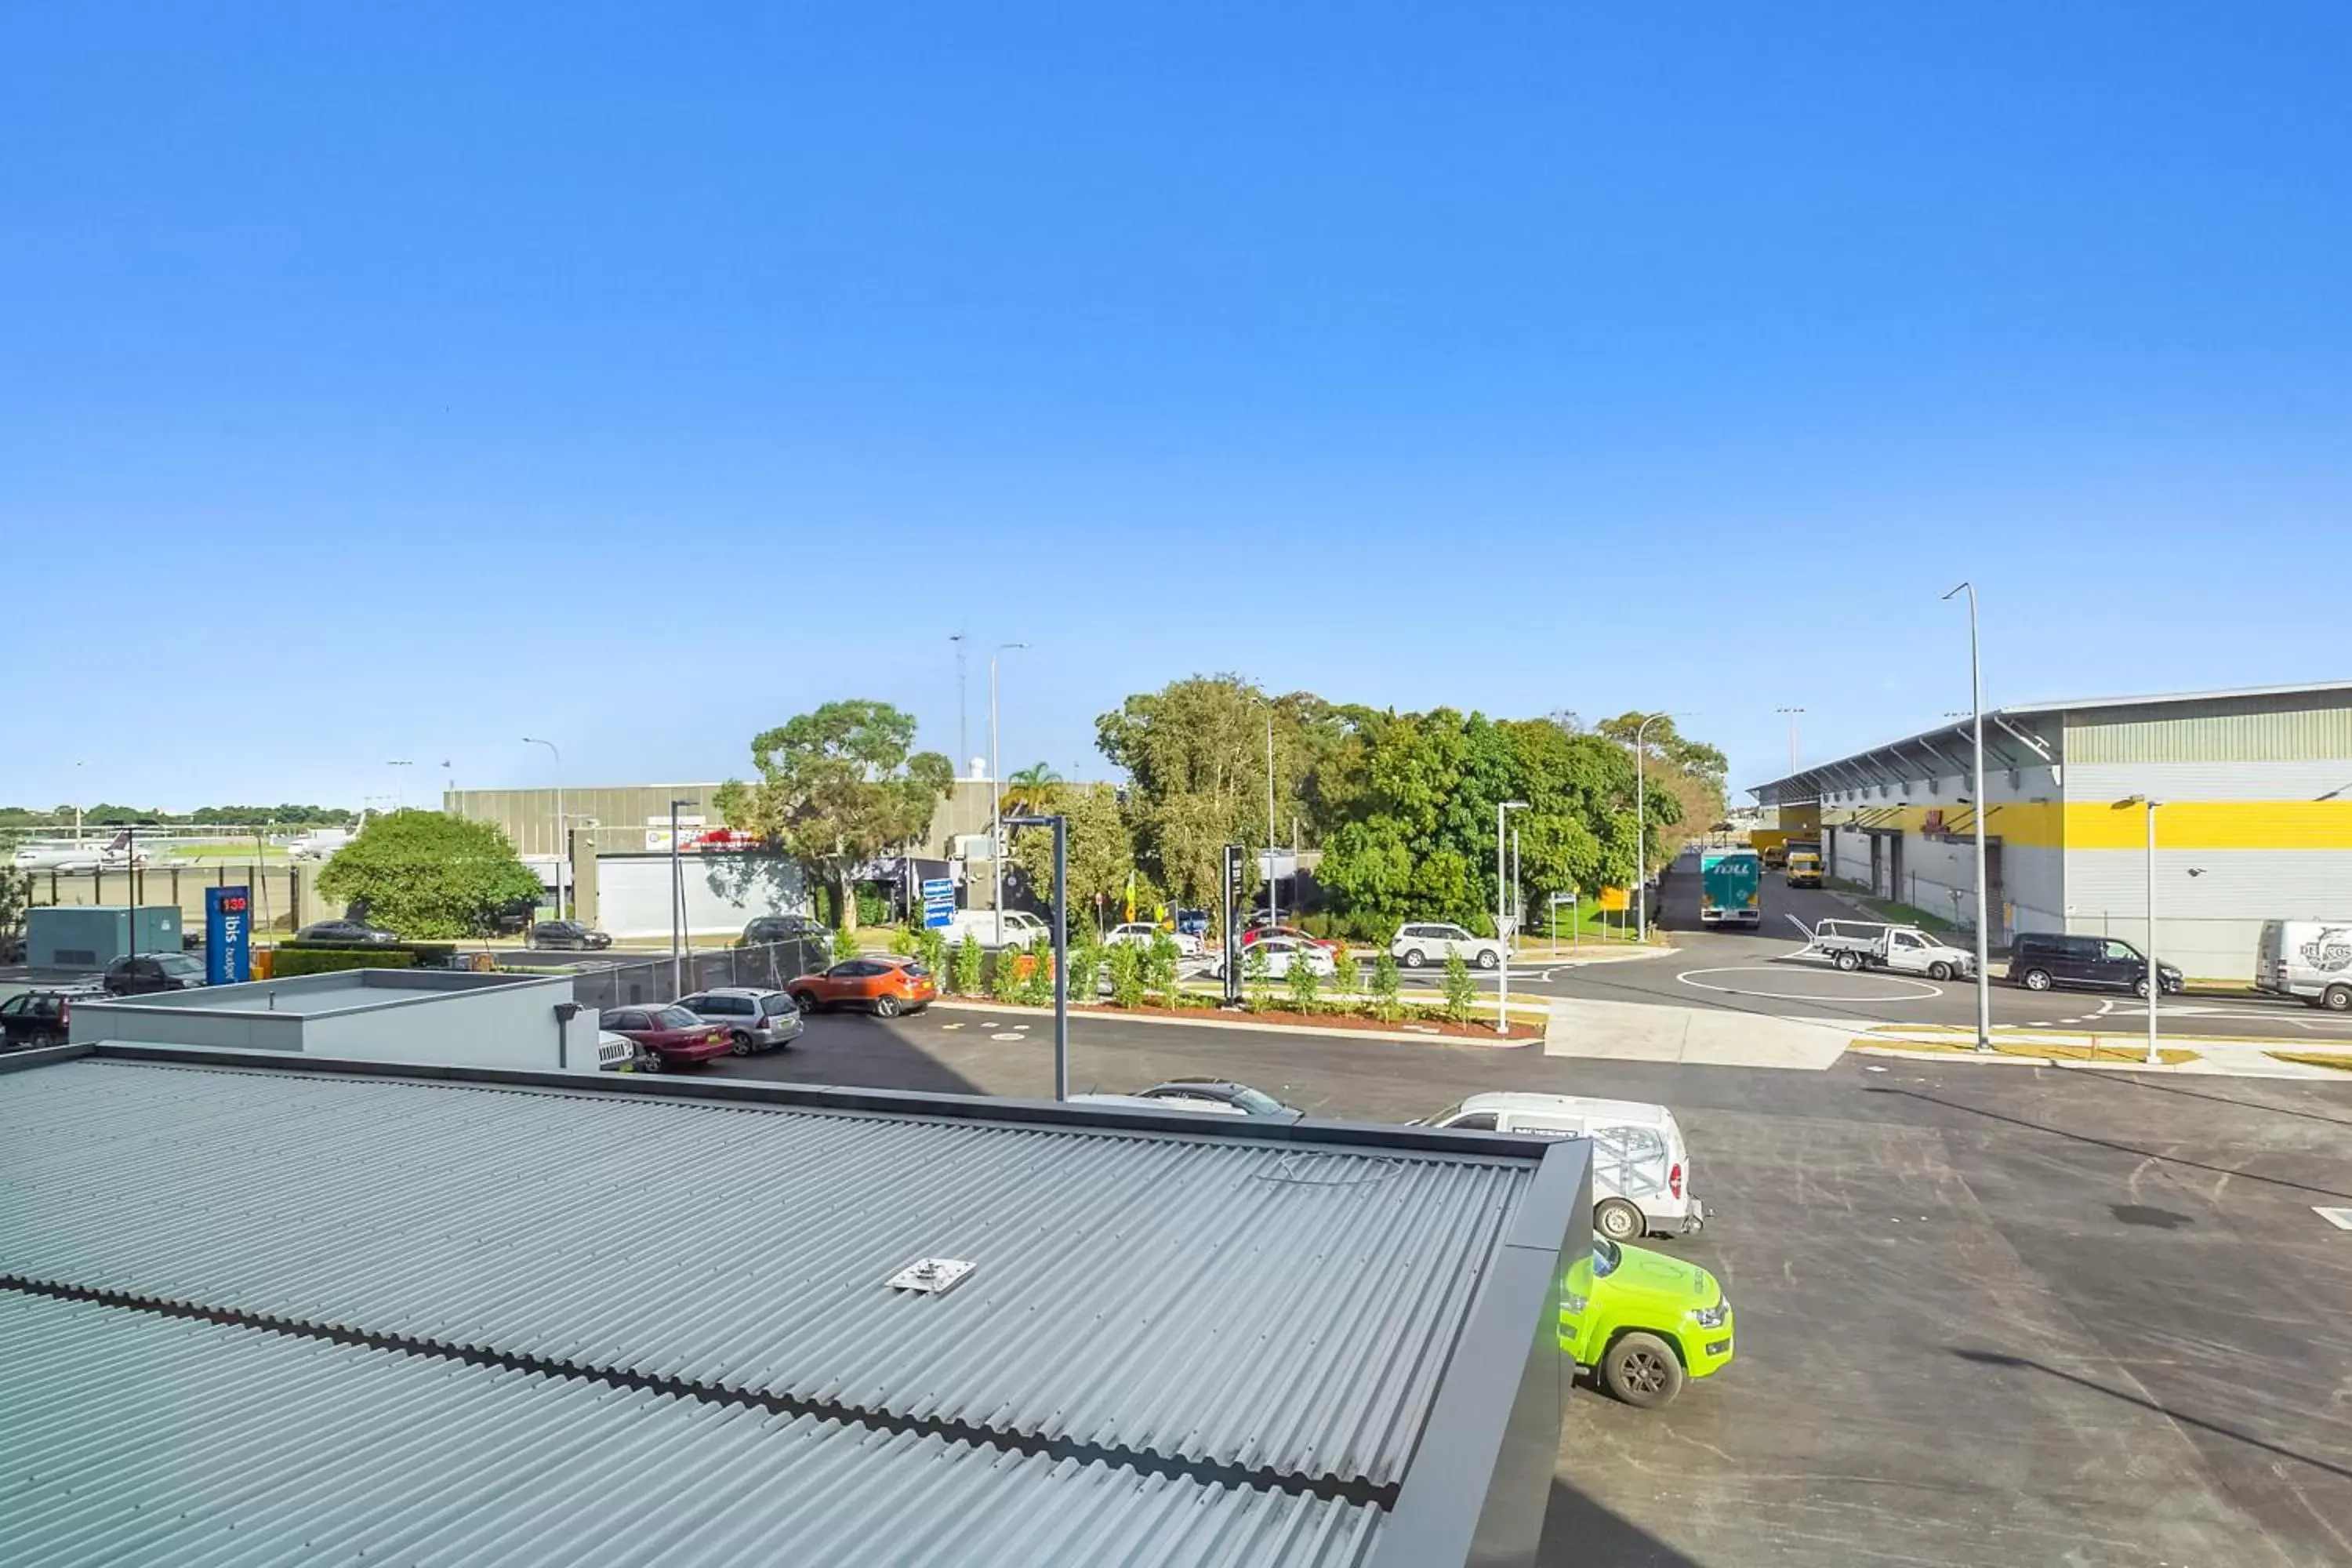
<point x="722" y="892"/>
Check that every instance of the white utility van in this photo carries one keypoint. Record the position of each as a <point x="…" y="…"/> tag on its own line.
<point x="2309" y="960"/>
<point x="1021" y="928"/>
<point x="1641" y="1166"/>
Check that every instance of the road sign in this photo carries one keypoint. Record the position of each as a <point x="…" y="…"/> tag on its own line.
<point x="1616" y="900"/>
<point x="228" y="935"/>
<point x="1563" y="898"/>
<point x="939" y="900"/>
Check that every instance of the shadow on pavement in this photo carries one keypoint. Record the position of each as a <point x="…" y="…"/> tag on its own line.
<point x="2160" y="1086"/>
<point x="851" y="1049"/>
<point x="2004" y="1359"/>
<point x="2157" y="1155"/>
<point x="1580" y="1533"/>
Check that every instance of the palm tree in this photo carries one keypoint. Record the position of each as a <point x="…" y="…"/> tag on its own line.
<point x="1030" y="789"/>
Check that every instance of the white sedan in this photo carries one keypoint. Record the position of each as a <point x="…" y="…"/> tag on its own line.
<point x="1139" y="933"/>
<point x="1432" y="941"/>
<point x="1281" y="953"/>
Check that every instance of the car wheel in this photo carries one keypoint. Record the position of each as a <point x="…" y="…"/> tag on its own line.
<point x="1849" y="962"/>
<point x="1939" y="971"/>
<point x="1619" y="1220"/>
<point x="2139" y="987"/>
<point x="2339" y="999"/>
<point x="1413" y="959"/>
<point x="653" y="1062"/>
<point x="1488" y="959"/>
<point x="805" y="1001"/>
<point x="885" y="1007"/>
<point x="741" y="1043"/>
<point x="2037" y="980"/>
<point x="1642" y="1370"/>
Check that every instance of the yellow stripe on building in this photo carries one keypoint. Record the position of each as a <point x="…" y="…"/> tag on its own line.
<point x="2101" y="825"/>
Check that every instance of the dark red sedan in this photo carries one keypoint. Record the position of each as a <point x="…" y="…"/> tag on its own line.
<point x="672" y="1037"/>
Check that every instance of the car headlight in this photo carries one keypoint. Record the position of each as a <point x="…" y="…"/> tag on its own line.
<point x="1572" y="1305"/>
<point x="1712" y="1317"/>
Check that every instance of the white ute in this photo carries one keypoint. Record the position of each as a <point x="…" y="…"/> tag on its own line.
<point x="1864" y="945"/>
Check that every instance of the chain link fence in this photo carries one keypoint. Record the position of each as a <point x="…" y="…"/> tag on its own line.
<point x="602" y="983"/>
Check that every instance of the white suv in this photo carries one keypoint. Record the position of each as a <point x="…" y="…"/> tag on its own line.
<point x="1141" y="933"/>
<point x="1432" y="942"/>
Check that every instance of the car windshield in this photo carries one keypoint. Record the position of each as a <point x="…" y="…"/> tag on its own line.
<point x="180" y="964"/>
<point x="1258" y="1104"/>
<point x="676" y="1018"/>
<point x="1605" y="1257"/>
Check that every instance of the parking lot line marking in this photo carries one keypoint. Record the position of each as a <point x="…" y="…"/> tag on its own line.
<point x="951" y="1026"/>
<point x="1008" y="1034"/>
<point x="2340" y="1219"/>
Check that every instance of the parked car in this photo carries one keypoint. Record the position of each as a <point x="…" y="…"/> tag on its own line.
<point x="885" y="986"/>
<point x="568" y="936"/>
<point x="142" y="974"/>
<point x="2308" y="960"/>
<point x="1138" y="934"/>
<point x="672" y="1037"/>
<point x="766" y="930"/>
<point x="2039" y="959"/>
<point x="1021" y="928"/>
<point x="1220" y="1094"/>
<point x="1256" y="934"/>
<point x="618" y="1053"/>
<point x="40" y="1017"/>
<point x="1193" y="922"/>
<point x="1141" y="1102"/>
<point x="1641" y="1165"/>
<point x="349" y="933"/>
<point x="754" y="1019"/>
<point x="1434" y="941"/>
<point x="1644" y="1324"/>
<point x="1855" y="945"/>
<point x="1281" y="953"/>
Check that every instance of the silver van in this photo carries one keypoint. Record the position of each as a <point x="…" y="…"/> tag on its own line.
<point x="1641" y="1166"/>
<point x="2308" y="960"/>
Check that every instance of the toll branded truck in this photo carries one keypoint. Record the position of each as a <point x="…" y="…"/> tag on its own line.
<point x="1730" y="884"/>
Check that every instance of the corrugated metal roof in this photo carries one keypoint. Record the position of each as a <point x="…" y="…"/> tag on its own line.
<point x="1281" y="1307"/>
<point x="129" y="1438"/>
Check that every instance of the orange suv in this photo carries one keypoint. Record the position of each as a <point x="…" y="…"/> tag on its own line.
<point x="884" y="987"/>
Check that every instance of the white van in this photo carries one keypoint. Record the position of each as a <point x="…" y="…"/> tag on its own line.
<point x="2309" y="960"/>
<point x="1021" y="928"/>
<point x="1641" y="1166"/>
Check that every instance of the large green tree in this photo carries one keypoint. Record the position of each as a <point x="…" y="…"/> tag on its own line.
<point x="1100" y="851"/>
<point x="837" y="788"/>
<point x="426" y="875"/>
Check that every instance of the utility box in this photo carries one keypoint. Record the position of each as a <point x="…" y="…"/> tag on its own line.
<point x="92" y="936"/>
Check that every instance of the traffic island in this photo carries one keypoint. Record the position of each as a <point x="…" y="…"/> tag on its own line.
<point x="1419" y="1024"/>
<point x="2202" y="1054"/>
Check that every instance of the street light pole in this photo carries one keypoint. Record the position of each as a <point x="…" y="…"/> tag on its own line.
<point x="1984" y="916"/>
<point x="1641" y="831"/>
<point x="1503" y="993"/>
<point x="2155" y="973"/>
<point x="996" y="799"/>
<point x="963" y="704"/>
<point x="677" y="908"/>
<point x="562" y="846"/>
<point x="1792" y="714"/>
<point x="1519" y="895"/>
<point x="1273" y="901"/>
<point x="1061" y="826"/>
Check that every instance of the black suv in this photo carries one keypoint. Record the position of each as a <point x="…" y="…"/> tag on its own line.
<point x="574" y="934"/>
<point x="143" y="973"/>
<point x="784" y="928"/>
<point x="38" y="1017"/>
<point x="2040" y="960"/>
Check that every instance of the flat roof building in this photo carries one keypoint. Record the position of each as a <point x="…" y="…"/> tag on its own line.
<point x="2252" y="821"/>
<point x="265" y="1309"/>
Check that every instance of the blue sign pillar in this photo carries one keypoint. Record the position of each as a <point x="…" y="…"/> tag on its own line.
<point x="939" y="900"/>
<point x="228" y="935"/>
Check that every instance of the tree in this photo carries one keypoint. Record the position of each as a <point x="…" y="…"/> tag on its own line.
<point x="1029" y="790"/>
<point x="1346" y="974"/>
<point x="1461" y="991"/>
<point x="837" y="788"/>
<point x="1385" y="988"/>
<point x="426" y="875"/>
<point x="1126" y="960"/>
<point x="1100" y="852"/>
<point x="16" y="900"/>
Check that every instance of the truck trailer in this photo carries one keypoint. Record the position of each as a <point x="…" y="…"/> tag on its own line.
<point x="1730" y="887"/>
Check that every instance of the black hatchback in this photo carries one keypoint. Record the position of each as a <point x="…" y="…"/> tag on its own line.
<point x="2040" y="960"/>
<point x="144" y="973"/>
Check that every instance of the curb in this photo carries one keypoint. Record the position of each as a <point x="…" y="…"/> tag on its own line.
<point x="1222" y="1022"/>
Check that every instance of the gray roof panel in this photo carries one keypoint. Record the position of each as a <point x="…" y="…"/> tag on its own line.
<point x="130" y="1439"/>
<point x="1283" y="1307"/>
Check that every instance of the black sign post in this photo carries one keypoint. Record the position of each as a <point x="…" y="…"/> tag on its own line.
<point x="1233" y="890"/>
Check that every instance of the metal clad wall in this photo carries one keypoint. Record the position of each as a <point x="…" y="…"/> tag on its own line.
<point x="1116" y="1272"/>
<point x="2245" y="730"/>
<point x="2206" y="923"/>
<point x="129" y="1438"/>
<point x="528" y="815"/>
<point x="2212" y="778"/>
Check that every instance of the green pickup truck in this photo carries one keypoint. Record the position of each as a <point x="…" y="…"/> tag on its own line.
<point x="1647" y="1324"/>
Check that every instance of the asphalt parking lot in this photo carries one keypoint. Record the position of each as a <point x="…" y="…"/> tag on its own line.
<point x="1988" y="1315"/>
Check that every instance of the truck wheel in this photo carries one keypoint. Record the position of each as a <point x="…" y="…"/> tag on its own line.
<point x="1487" y="959"/>
<point x="2037" y="980"/>
<point x="1619" y="1220"/>
<point x="1849" y="962"/>
<point x="2339" y="999"/>
<point x="1939" y="971"/>
<point x="1413" y="959"/>
<point x="1642" y="1370"/>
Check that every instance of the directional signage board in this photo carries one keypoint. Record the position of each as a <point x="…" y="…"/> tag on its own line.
<point x="939" y="900"/>
<point x="228" y="935"/>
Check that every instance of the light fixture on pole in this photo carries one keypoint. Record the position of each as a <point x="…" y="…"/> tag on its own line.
<point x="1642" y="830"/>
<point x="2154" y="978"/>
<point x="1984" y="807"/>
<point x="1792" y="714"/>
<point x="1503" y="993"/>
<point x="1061" y="826"/>
<point x="996" y="799"/>
<point x="562" y="846"/>
<point x="676" y="906"/>
<point x="963" y="704"/>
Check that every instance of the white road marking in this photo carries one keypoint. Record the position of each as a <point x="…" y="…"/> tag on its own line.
<point x="1008" y="1034"/>
<point x="951" y="1026"/>
<point x="1918" y="990"/>
<point x="2340" y="1219"/>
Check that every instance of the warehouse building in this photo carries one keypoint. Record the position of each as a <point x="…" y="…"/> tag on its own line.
<point x="2252" y="819"/>
<point x="260" y="1309"/>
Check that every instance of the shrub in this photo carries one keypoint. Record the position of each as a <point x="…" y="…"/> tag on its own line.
<point x="1085" y="965"/>
<point x="1306" y="985"/>
<point x="846" y="946"/>
<point x="1126" y="962"/>
<point x="1461" y="990"/>
<point x="967" y="966"/>
<point x="903" y="941"/>
<point x="1159" y="962"/>
<point x="931" y="947"/>
<point x="1257" y="978"/>
<point x="873" y="908"/>
<point x="287" y="961"/>
<point x="1385" y="985"/>
<point x="1347" y="975"/>
<point x="1035" y="979"/>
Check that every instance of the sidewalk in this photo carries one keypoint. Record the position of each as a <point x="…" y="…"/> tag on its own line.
<point x="1639" y="1032"/>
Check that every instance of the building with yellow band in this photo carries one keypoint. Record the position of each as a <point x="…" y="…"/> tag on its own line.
<point x="2254" y="818"/>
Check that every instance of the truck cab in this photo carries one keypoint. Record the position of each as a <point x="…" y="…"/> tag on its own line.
<point x="1804" y="868"/>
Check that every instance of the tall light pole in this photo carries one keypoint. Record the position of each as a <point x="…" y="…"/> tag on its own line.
<point x="2155" y="973"/>
<point x="963" y="704"/>
<point x="1503" y="993"/>
<point x="1642" y="830"/>
<point x="1984" y="806"/>
<point x="677" y="908"/>
<point x="563" y="847"/>
<point x="1518" y="897"/>
<point x="1273" y="903"/>
<point x="1061" y="826"/>
<point x="399" y="787"/>
<point x="1794" y="714"/>
<point x="995" y="798"/>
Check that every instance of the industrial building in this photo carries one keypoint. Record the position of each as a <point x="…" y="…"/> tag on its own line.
<point x="2252" y="819"/>
<point x="257" y="1308"/>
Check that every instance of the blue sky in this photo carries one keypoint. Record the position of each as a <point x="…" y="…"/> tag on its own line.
<point x="394" y="382"/>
